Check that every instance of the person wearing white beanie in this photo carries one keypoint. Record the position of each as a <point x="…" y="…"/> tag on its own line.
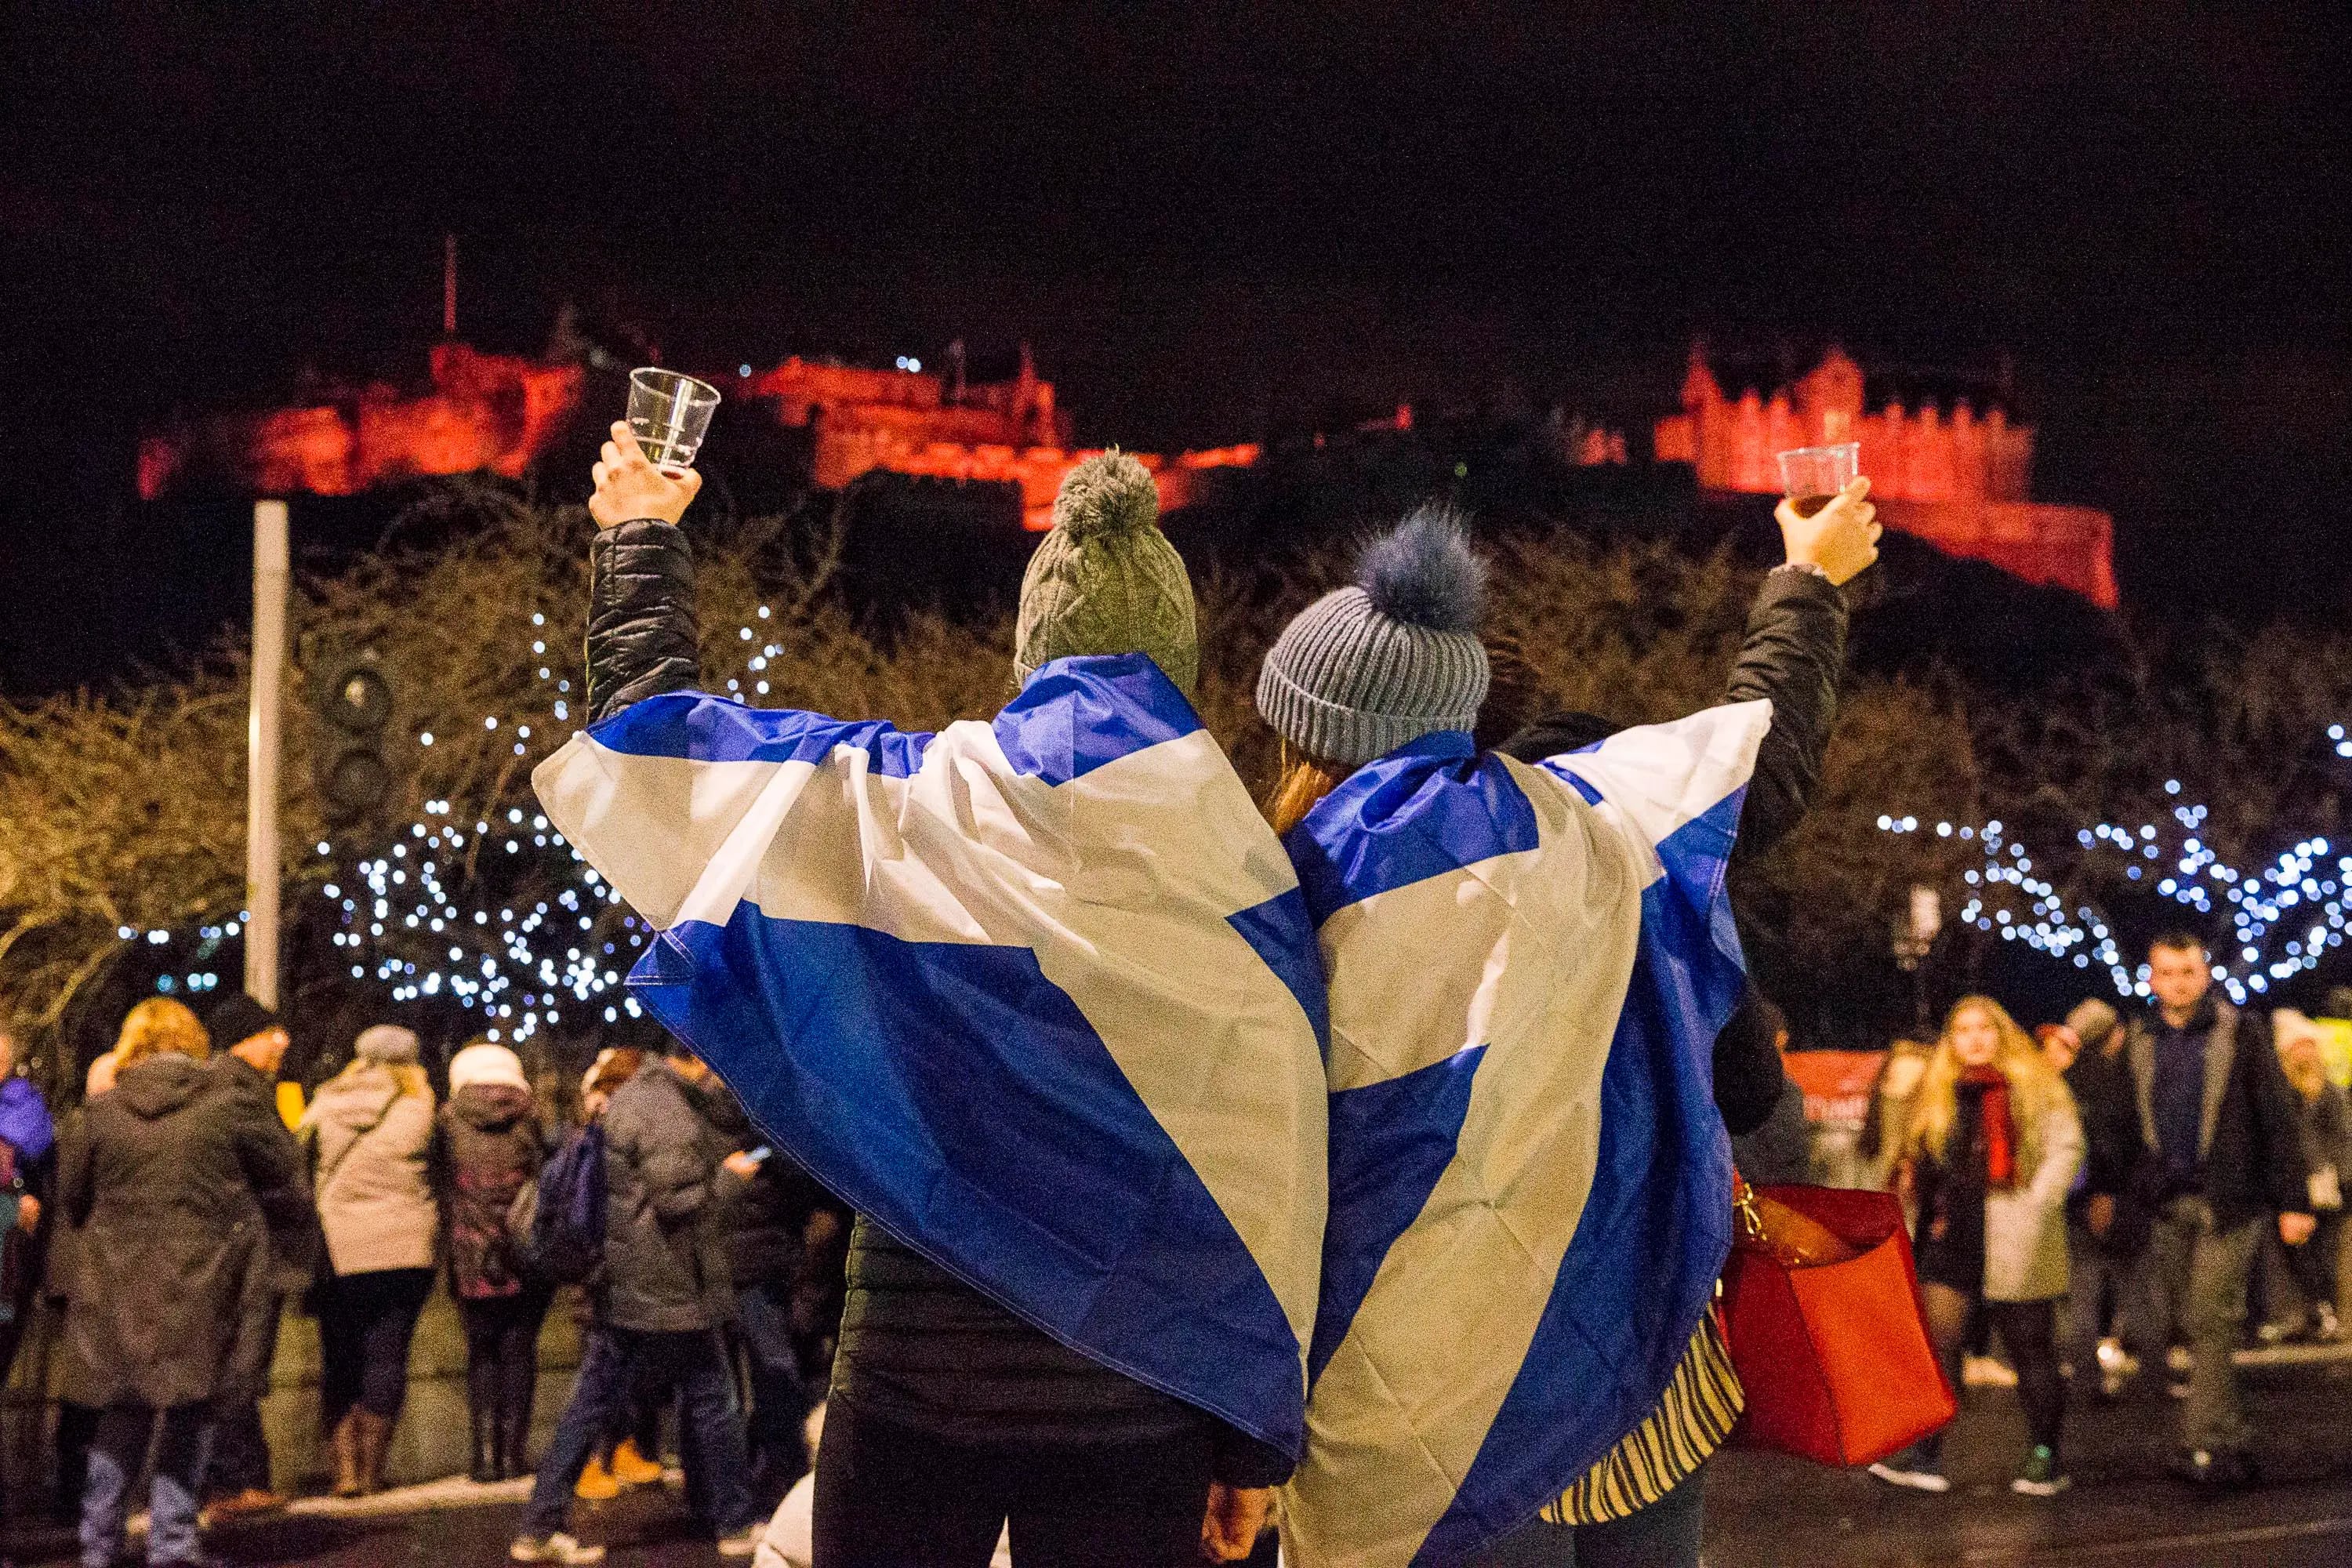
<point x="484" y="1063"/>
<point x="490" y="1145"/>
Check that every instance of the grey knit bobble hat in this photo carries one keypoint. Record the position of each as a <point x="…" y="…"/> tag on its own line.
<point x="1106" y="580"/>
<point x="1366" y="668"/>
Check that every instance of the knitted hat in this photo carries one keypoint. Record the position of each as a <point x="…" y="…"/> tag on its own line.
<point x="2092" y="1021"/>
<point x="236" y="1018"/>
<point x="1106" y="580"/>
<point x="2288" y="1026"/>
<point x="488" y="1064"/>
<point x="1364" y="669"/>
<point x="387" y="1043"/>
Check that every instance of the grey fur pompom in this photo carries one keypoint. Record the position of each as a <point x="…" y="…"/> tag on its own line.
<point x="1422" y="571"/>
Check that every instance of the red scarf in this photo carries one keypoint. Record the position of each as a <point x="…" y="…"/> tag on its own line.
<point x="2000" y="1132"/>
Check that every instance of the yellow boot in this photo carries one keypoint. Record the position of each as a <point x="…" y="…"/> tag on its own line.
<point x="596" y="1483"/>
<point x="632" y="1469"/>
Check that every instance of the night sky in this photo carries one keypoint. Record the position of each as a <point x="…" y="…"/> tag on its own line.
<point x="1205" y="217"/>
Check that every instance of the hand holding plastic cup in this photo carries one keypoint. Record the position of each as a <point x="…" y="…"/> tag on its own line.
<point x="669" y="413"/>
<point x="1812" y="476"/>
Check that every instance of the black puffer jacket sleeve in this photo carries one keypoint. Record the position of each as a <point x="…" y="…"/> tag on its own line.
<point x="1791" y="657"/>
<point x="643" y="639"/>
<point x="1239" y="1460"/>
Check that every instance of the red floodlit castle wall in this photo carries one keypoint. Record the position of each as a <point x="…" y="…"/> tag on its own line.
<point x="1959" y="481"/>
<point x="485" y="411"/>
<point x="495" y="412"/>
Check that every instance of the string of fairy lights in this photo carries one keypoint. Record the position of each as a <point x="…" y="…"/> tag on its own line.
<point x="2285" y="916"/>
<point x="434" y="914"/>
<point x="484" y="903"/>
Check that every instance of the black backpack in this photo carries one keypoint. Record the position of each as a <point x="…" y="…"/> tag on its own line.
<point x="557" y="1222"/>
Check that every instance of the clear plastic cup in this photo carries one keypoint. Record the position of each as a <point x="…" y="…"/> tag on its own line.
<point x="1812" y="476"/>
<point x="670" y="415"/>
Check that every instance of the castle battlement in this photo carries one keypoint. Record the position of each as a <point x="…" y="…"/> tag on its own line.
<point x="1961" y="479"/>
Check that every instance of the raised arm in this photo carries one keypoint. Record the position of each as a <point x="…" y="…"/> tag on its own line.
<point x="643" y="639"/>
<point x="1791" y="657"/>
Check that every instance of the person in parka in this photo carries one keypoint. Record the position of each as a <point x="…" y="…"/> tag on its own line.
<point x="250" y="1045"/>
<point x="487" y="1145"/>
<point x="161" y="1179"/>
<point x="370" y="1133"/>
<point x="662" y="1297"/>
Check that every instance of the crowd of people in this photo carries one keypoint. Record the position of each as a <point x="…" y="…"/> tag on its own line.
<point x="2094" y="1196"/>
<point x="2113" y="1192"/>
<point x="177" y="1214"/>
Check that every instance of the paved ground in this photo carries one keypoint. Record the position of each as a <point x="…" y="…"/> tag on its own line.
<point x="1764" y="1511"/>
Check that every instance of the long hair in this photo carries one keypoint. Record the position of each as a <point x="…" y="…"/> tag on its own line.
<point x="2034" y="1086"/>
<point x="1302" y="782"/>
<point x="156" y="1026"/>
<point x="408" y="1077"/>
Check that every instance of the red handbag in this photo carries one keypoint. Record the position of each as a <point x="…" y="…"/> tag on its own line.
<point x="1827" y="1330"/>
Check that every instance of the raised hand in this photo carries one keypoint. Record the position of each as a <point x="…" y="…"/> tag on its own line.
<point x="1842" y="539"/>
<point x="1235" y="1517"/>
<point x="629" y="488"/>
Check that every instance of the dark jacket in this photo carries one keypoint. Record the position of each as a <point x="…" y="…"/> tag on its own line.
<point x="665" y="1264"/>
<point x="1791" y="657"/>
<point x="487" y="1145"/>
<point x="765" y="1230"/>
<point x="2327" y="1131"/>
<point x="28" y="1168"/>
<point x="170" y="1181"/>
<point x="915" y="1340"/>
<point x="282" y="1268"/>
<point x="293" y="1229"/>
<point x="2101" y="1084"/>
<point x="2250" y="1140"/>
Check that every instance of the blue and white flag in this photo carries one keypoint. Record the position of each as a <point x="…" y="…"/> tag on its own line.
<point x="1039" y="996"/>
<point x="1530" y="1185"/>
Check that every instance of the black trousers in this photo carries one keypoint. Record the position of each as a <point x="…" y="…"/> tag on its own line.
<point x="888" y="1496"/>
<point x="2313" y="1264"/>
<point x="365" y="1322"/>
<point x="237" y="1455"/>
<point x="2029" y="1333"/>
<point x="502" y="1362"/>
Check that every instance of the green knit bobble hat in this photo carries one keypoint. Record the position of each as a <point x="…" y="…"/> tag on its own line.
<point x="1106" y="580"/>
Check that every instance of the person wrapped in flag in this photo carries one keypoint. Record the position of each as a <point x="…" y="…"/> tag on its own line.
<point x="1037" y="996"/>
<point x="1528" y="965"/>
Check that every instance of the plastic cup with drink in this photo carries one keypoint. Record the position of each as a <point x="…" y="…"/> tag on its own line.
<point x="669" y="413"/>
<point x="1812" y="477"/>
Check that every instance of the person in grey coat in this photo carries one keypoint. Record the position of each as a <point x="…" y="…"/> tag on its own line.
<point x="662" y="1301"/>
<point x="169" y="1183"/>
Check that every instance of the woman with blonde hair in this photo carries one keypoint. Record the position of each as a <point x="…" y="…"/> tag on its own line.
<point x="159" y="1179"/>
<point x="369" y="1136"/>
<point x="1991" y="1148"/>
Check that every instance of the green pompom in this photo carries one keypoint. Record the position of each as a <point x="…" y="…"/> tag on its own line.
<point x="1106" y="495"/>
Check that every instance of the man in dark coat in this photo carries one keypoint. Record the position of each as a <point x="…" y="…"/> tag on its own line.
<point x="167" y="1180"/>
<point x="2221" y="1152"/>
<point x="767" y="1251"/>
<point x="2106" y="1232"/>
<point x="666" y="1293"/>
<point x="237" y="1464"/>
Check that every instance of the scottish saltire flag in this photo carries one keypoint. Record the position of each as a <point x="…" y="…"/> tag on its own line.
<point x="1530" y="1185"/>
<point x="1040" y="997"/>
